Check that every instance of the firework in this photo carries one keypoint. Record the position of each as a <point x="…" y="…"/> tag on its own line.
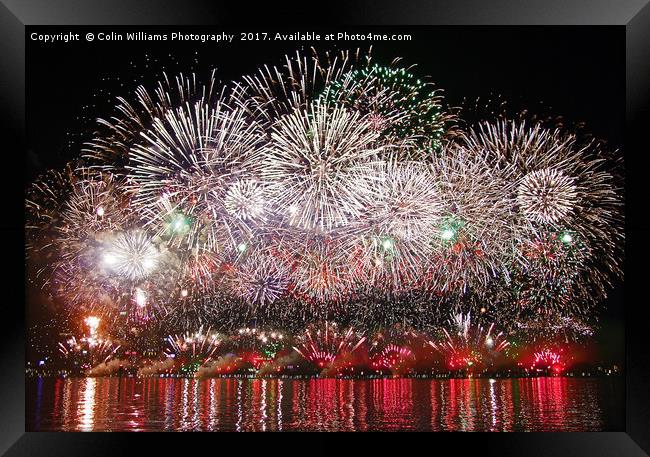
<point x="400" y="209"/>
<point x="328" y="189"/>
<point x="548" y="360"/>
<point x="561" y="183"/>
<point x="273" y="92"/>
<point x="246" y="200"/>
<point x="467" y="344"/>
<point x="569" y="217"/>
<point x="193" y="349"/>
<point x="131" y="254"/>
<point x="318" y="269"/>
<point x="272" y="342"/>
<point x="310" y="154"/>
<point x="88" y="351"/>
<point x="256" y="346"/>
<point x="546" y="195"/>
<point x="400" y="106"/>
<point x="391" y="356"/>
<point x="261" y="280"/>
<point x="68" y="211"/>
<point x="185" y="150"/>
<point x="322" y="344"/>
<point x="88" y="222"/>
<point x="192" y="191"/>
<point x="390" y="350"/>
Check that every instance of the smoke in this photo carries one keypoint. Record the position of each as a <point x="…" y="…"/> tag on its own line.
<point x="225" y="364"/>
<point x="157" y="367"/>
<point x="280" y="364"/>
<point x="108" y="368"/>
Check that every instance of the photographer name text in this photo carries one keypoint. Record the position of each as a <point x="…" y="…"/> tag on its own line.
<point x="221" y="37"/>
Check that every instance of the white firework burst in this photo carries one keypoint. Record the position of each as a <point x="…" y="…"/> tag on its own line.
<point x="309" y="155"/>
<point x="546" y="195"/>
<point x="247" y="200"/>
<point x="131" y="254"/>
<point x="186" y="169"/>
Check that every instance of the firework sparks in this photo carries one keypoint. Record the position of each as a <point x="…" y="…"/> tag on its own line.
<point x="549" y="360"/>
<point x="467" y="344"/>
<point x="322" y="344"/>
<point x="546" y="195"/>
<point x="310" y="153"/>
<point x="193" y="349"/>
<point x="324" y="190"/>
<point x="131" y="254"/>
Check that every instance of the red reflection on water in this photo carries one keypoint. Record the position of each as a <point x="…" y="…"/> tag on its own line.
<point x="540" y="404"/>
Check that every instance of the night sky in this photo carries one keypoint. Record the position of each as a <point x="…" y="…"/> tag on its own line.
<point x="576" y="74"/>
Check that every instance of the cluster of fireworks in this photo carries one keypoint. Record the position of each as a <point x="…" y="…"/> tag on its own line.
<point x="329" y="187"/>
<point x="90" y="350"/>
<point x="468" y="344"/>
<point x="464" y="346"/>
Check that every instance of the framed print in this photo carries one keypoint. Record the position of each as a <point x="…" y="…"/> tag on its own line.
<point x="431" y="222"/>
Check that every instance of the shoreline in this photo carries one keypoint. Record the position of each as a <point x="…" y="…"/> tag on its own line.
<point x="316" y="377"/>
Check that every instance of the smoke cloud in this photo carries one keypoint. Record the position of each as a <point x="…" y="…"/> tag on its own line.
<point x="109" y="368"/>
<point x="157" y="367"/>
<point x="225" y="364"/>
<point x="280" y="364"/>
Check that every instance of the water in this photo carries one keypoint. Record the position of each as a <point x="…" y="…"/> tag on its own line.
<point x="155" y="404"/>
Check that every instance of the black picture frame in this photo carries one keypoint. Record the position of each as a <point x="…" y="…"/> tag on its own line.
<point x="632" y="15"/>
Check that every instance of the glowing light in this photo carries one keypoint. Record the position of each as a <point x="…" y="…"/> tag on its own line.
<point x="447" y="234"/>
<point x="567" y="238"/>
<point x="387" y="244"/>
<point x="110" y="259"/>
<point x="140" y="297"/>
<point x="93" y="323"/>
<point x="179" y="224"/>
<point x="131" y="254"/>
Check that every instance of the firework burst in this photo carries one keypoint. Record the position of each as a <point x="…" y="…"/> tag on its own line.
<point x="131" y="254"/>
<point x="390" y="350"/>
<point x="322" y="344"/>
<point x="467" y="345"/>
<point x="401" y="107"/>
<point x="194" y="348"/>
<point x="261" y="280"/>
<point x="548" y="360"/>
<point x="546" y="196"/>
<point x="310" y="154"/>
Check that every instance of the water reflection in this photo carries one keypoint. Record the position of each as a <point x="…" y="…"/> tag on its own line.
<point x="86" y="422"/>
<point x="540" y="404"/>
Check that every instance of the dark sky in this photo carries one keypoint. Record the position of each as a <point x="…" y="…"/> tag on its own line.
<point x="576" y="73"/>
